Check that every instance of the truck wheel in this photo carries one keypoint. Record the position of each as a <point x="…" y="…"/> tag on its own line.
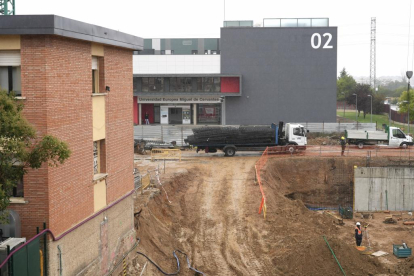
<point x="404" y="145"/>
<point x="360" y="145"/>
<point x="229" y="151"/>
<point x="291" y="148"/>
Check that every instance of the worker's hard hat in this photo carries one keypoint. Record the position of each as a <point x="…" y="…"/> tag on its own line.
<point x="358" y="223"/>
<point x="342" y="138"/>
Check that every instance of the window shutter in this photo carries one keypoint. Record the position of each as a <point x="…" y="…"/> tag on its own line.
<point x="94" y="63"/>
<point x="10" y="58"/>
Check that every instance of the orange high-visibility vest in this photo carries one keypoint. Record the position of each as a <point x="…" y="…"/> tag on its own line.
<point x="359" y="231"/>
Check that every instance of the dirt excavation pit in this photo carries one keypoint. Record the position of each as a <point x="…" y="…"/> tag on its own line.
<point x="213" y="217"/>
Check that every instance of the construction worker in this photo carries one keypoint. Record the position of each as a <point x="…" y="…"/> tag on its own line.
<point x="343" y="145"/>
<point x="358" y="234"/>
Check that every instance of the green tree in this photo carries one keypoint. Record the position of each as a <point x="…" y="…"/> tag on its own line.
<point x="364" y="102"/>
<point x="21" y="148"/>
<point x="345" y="84"/>
<point x="403" y="103"/>
<point x="378" y="104"/>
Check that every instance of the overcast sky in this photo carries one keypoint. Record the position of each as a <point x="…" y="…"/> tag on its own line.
<point x="193" y="18"/>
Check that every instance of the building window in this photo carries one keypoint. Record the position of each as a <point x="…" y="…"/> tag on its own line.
<point x="10" y="79"/>
<point x="213" y="52"/>
<point x="18" y="189"/>
<point x="208" y="84"/>
<point x="152" y="84"/>
<point x="99" y="157"/>
<point x="194" y="52"/>
<point x="180" y="85"/>
<point x="209" y="114"/>
<point x="206" y="52"/>
<point x="95" y="75"/>
<point x="172" y="52"/>
<point x="96" y="157"/>
<point x="162" y="52"/>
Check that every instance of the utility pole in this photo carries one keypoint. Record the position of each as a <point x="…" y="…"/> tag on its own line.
<point x="372" y="75"/>
<point x="7" y="7"/>
<point x="409" y="74"/>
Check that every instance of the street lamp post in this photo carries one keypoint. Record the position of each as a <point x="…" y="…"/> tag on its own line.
<point x="408" y="119"/>
<point x="409" y="74"/>
<point x="356" y="107"/>
<point x="371" y="106"/>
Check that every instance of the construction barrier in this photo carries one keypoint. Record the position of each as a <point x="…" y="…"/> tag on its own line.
<point x="165" y="154"/>
<point x="145" y="182"/>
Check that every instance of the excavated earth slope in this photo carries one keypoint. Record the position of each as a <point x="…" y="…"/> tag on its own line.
<point x="213" y="217"/>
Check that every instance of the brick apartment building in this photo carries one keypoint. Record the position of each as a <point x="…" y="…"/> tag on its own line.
<point x="75" y="80"/>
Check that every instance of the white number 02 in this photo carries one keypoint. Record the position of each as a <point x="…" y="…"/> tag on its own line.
<point x="316" y="41"/>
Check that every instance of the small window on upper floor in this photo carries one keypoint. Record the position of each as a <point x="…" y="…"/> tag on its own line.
<point x="10" y="79"/>
<point x="172" y="52"/>
<point x="213" y="52"/>
<point x="162" y="52"/>
<point x="206" y="52"/>
<point x="99" y="157"/>
<point x="95" y="75"/>
<point x="194" y="52"/>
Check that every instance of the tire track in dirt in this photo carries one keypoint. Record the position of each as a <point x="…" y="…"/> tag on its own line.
<point x="223" y="238"/>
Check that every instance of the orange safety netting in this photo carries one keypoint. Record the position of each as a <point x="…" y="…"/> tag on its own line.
<point x="260" y="164"/>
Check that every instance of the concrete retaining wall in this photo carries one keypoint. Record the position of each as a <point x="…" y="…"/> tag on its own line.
<point x="94" y="248"/>
<point x="374" y="187"/>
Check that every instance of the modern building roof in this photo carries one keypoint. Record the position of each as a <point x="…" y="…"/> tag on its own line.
<point x="57" y="25"/>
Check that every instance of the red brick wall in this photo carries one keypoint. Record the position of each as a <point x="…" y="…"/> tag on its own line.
<point x="136" y="111"/>
<point x="33" y="66"/>
<point x="57" y="82"/>
<point x="119" y="127"/>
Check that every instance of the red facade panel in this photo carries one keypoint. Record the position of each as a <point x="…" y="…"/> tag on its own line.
<point x="230" y="84"/>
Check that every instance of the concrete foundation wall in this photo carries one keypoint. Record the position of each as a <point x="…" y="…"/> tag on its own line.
<point x="374" y="187"/>
<point x="96" y="246"/>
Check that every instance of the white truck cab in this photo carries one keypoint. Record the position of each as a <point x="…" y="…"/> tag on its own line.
<point x="396" y="138"/>
<point x="295" y="134"/>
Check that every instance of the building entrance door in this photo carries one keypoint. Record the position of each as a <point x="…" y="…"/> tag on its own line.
<point x="175" y="116"/>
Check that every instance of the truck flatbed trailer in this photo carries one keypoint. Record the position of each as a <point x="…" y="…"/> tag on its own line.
<point x="229" y="140"/>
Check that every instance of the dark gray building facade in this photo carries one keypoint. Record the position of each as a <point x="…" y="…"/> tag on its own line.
<point x="289" y="74"/>
<point x="285" y="71"/>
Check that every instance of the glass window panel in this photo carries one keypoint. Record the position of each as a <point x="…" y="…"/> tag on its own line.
<point x="231" y="23"/>
<point x="194" y="52"/>
<point x="209" y="114"/>
<point x="173" y="84"/>
<point x="246" y="23"/>
<point x="4" y="78"/>
<point x="271" y="22"/>
<point x="304" y="22"/>
<point x="217" y="86"/>
<point x="289" y="22"/>
<point x="320" y="22"/>
<point x="145" y="85"/>
<point x="199" y="84"/>
<point x="17" y="81"/>
<point x="188" y="85"/>
<point x="18" y="189"/>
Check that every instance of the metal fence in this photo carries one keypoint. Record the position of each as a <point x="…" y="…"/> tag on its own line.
<point x="169" y="133"/>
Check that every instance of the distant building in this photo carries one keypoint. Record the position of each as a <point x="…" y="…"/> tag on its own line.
<point x="285" y="71"/>
<point x="75" y="80"/>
